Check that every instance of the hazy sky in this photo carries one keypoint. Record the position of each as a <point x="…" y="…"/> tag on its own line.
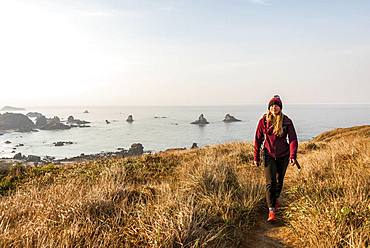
<point x="169" y="52"/>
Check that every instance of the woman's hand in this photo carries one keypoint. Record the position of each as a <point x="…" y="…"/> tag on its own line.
<point x="257" y="163"/>
<point x="293" y="161"/>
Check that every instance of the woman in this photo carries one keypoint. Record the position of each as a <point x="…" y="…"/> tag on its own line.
<point x="273" y="129"/>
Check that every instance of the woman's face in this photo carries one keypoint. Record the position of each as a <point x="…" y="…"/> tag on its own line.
<point x="275" y="109"/>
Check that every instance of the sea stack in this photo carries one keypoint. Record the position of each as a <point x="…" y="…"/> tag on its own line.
<point x="201" y="120"/>
<point x="17" y="122"/>
<point x="230" y="118"/>
<point x="136" y="149"/>
<point x="130" y="118"/>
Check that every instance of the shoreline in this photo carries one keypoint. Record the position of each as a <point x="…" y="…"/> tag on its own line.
<point x="136" y="150"/>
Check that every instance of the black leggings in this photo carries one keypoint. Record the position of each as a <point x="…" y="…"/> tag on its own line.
<point x="274" y="173"/>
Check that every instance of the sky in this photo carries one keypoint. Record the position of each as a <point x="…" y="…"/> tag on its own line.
<point x="183" y="52"/>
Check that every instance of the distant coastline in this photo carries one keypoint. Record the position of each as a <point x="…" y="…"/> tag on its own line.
<point x="10" y="108"/>
<point x="109" y="129"/>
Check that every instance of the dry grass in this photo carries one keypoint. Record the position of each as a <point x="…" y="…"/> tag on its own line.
<point x="331" y="195"/>
<point x="194" y="198"/>
<point x="204" y="197"/>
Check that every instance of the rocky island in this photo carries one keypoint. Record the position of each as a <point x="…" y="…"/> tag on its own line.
<point x="229" y="118"/>
<point x="201" y="120"/>
<point x="10" y="108"/>
<point x="16" y="122"/>
<point x="130" y="119"/>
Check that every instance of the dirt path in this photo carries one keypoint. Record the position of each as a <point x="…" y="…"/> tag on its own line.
<point x="266" y="234"/>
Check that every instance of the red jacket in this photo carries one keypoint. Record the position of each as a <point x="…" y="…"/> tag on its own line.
<point x="276" y="146"/>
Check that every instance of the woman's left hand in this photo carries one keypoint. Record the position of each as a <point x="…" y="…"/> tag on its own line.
<point x="292" y="161"/>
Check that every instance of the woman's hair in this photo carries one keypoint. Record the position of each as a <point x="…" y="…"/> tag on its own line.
<point x="276" y="122"/>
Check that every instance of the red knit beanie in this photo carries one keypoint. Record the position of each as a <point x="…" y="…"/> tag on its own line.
<point x="275" y="100"/>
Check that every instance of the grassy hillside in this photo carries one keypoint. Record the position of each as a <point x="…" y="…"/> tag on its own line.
<point x="330" y="198"/>
<point x="195" y="198"/>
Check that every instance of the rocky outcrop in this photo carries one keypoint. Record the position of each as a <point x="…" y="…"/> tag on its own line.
<point x="201" y="120"/>
<point x="33" y="158"/>
<point x="194" y="146"/>
<point x="41" y="121"/>
<point x="106" y="121"/>
<point x="53" y="124"/>
<point x="19" y="156"/>
<point x="86" y="112"/>
<point x="229" y="118"/>
<point x="81" y="122"/>
<point x="72" y="121"/>
<point x="16" y="122"/>
<point x="34" y="114"/>
<point x="136" y="149"/>
<point x="130" y="118"/>
<point x="10" y="108"/>
<point x="62" y="143"/>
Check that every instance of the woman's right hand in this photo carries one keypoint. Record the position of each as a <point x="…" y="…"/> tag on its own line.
<point x="256" y="163"/>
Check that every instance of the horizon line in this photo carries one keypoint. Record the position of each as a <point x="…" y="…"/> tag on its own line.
<point x="200" y="105"/>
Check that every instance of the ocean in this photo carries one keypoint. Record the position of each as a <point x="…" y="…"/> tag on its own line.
<point x="173" y="131"/>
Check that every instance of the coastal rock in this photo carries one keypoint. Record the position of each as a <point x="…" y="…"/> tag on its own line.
<point x="71" y="120"/>
<point x="81" y="122"/>
<point x="54" y="124"/>
<point x="34" y="114"/>
<point x="194" y="146"/>
<point x="55" y="119"/>
<point x="106" y="121"/>
<point x="130" y="118"/>
<point x="41" y="121"/>
<point x="19" y="156"/>
<point x="136" y="149"/>
<point x="7" y="142"/>
<point x="17" y="122"/>
<point x="49" y="159"/>
<point x="230" y="118"/>
<point x="10" y="108"/>
<point x="33" y="158"/>
<point x="62" y="143"/>
<point x="201" y="120"/>
<point x="86" y="112"/>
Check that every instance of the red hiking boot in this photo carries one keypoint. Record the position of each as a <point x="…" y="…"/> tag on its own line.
<point x="272" y="216"/>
